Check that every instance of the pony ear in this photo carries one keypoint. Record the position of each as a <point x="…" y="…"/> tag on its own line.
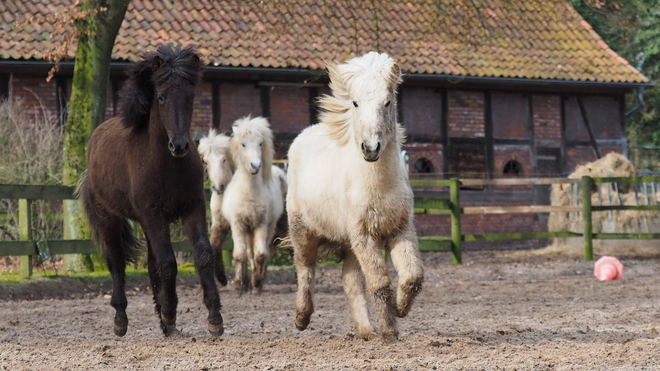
<point x="137" y="94"/>
<point x="156" y="63"/>
<point x="395" y="77"/>
<point x="196" y="60"/>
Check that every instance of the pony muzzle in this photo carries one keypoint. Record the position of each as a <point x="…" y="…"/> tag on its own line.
<point x="371" y="152"/>
<point x="255" y="166"/>
<point x="179" y="148"/>
<point x="219" y="189"/>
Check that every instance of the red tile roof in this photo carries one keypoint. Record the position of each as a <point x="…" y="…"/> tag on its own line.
<point x="485" y="38"/>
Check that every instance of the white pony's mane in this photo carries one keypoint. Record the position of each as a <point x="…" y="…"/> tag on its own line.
<point x="336" y="108"/>
<point x="254" y="127"/>
<point x="214" y="142"/>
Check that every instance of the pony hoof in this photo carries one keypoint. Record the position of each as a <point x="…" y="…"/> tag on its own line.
<point x="301" y="324"/>
<point x="216" y="327"/>
<point x="169" y="330"/>
<point x="120" y="331"/>
<point x="390" y="337"/>
<point x="366" y="334"/>
<point x="222" y="278"/>
<point x="216" y="330"/>
<point x="121" y="324"/>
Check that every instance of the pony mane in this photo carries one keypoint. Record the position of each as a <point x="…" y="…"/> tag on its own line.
<point x="254" y="127"/>
<point x="335" y="108"/>
<point x="214" y="142"/>
<point x="156" y="68"/>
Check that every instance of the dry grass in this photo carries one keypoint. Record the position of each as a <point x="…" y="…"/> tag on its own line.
<point x="32" y="154"/>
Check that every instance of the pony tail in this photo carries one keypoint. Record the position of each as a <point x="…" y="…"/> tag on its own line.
<point x="137" y="95"/>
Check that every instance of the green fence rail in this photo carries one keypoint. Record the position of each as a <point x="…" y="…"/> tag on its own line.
<point x="586" y="184"/>
<point x="27" y="246"/>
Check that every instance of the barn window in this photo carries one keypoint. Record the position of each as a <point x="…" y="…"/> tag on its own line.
<point x="513" y="168"/>
<point x="423" y="166"/>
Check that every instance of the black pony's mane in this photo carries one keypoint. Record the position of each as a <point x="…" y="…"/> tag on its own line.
<point x="156" y="68"/>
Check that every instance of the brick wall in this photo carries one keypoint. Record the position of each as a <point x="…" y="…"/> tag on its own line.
<point x="238" y="100"/>
<point x="440" y="225"/>
<point x="604" y="115"/>
<point x="289" y="109"/>
<point x="429" y="151"/>
<point x="38" y="97"/>
<point x="577" y="156"/>
<point x="202" y="119"/>
<point x="510" y="115"/>
<point x="504" y="154"/>
<point x="422" y="111"/>
<point x="575" y="128"/>
<point x="547" y="116"/>
<point x="465" y="113"/>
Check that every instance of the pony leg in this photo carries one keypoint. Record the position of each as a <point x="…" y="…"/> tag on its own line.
<point x="109" y="233"/>
<point x="376" y="272"/>
<point x="219" y="233"/>
<point x="305" y="252"/>
<point x="195" y="229"/>
<point x="163" y="262"/>
<point x="240" y="258"/>
<point x="353" y="280"/>
<point x="407" y="261"/>
<point x="261" y="244"/>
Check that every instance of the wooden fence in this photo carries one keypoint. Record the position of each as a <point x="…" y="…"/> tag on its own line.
<point x="27" y="246"/>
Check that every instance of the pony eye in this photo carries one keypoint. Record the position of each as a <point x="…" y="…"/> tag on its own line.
<point x="224" y="160"/>
<point x="161" y="99"/>
<point x="355" y="104"/>
<point x="243" y="144"/>
<point x="387" y="104"/>
<point x="260" y="144"/>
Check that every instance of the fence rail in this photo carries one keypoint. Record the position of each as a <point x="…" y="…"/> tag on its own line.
<point x="451" y="206"/>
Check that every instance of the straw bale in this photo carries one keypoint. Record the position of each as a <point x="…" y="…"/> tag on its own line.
<point x="611" y="165"/>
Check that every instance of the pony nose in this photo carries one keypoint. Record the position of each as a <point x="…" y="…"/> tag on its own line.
<point x="219" y="189"/>
<point x="255" y="166"/>
<point x="179" y="148"/>
<point x="369" y="152"/>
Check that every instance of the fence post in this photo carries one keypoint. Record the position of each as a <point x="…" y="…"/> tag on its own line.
<point x="25" y="234"/>
<point x="455" y="220"/>
<point x="586" y="218"/>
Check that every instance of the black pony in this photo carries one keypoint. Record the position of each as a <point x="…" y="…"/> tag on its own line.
<point x="143" y="167"/>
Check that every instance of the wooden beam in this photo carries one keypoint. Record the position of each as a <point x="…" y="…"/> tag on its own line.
<point x="520" y="209"/>
<point x="592" y="137"/>
<point x="36" y="192"/>
<point x="516" y="181"/>
<point x="25" y="234"/>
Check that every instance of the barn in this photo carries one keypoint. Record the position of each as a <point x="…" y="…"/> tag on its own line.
<point x="492" y="88"/>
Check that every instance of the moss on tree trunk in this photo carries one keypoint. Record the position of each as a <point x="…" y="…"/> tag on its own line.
<point x="89" y="91"/>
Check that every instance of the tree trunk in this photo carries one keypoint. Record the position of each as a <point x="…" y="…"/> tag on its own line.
<point x="89" y="91"/>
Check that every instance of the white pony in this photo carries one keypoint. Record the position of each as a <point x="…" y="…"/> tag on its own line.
<point x="347" y="187"/>
<point x="214" y="149"/>
<point x="254" y="200"/>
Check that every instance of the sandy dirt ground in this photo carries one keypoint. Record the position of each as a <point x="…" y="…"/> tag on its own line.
<point x="522" y="310"/>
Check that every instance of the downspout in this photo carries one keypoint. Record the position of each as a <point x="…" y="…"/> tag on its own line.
<point x="640" y="102"/>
